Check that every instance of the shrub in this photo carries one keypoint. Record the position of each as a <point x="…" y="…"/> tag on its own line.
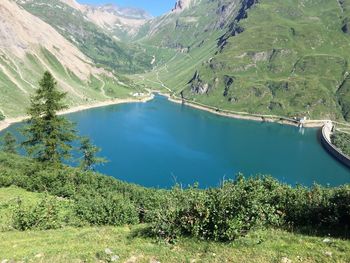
<point x="110" y="210"/>
<point x="221" y="214"/>
<point x="342" y="141"/>
<point x="43" y="216"/>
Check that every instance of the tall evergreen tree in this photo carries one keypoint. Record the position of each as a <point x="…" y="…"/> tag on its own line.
<point x="9" y="143"/>
<point x="89" y="159"/>
<point x="49" y="136"/>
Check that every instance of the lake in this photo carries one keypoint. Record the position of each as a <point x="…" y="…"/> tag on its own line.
<point x="160" y="143"/>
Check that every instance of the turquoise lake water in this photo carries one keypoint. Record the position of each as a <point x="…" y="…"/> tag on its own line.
<point x="160" y="143"/>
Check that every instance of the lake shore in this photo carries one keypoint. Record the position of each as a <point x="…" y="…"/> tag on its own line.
<point x="7" y="122"/>
<point x="239" y="115"/>
<point x="247" y="116"/>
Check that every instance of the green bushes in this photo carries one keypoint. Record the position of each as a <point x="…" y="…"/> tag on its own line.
<point x="111" y="210"/>
<point x="231" y="211"/>
<point x="221" y="214"/>
<point x="43" y="216"/>
<point x="342" y="141"/>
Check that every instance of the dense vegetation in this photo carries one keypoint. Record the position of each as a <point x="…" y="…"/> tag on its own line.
<point x="223" y="213"/>
<point x="342" y="141"/>
<point x="102" y="244"/>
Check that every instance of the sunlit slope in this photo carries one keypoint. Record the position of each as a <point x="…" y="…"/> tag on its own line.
<point x="90" y="38"/>
<point x="188" y="28"/>
<point x="291" y="59"/>
<point x="274" y="57"/>
<point x="173" y="70"/>
<point x="183" y="39"/>
<point x="29" y="47"/>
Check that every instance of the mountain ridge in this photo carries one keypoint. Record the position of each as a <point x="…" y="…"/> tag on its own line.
<point x="232" y="55"/>
<point x="29" y="46"/>
<point x="120" y="21"/>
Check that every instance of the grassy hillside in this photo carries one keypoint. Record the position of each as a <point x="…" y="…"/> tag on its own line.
<point x="30" y="47"/>
<point x="19" y="79"/>
<point x="181" y="41"/>
<point x="275" y="57"/>
<point x="103" y="49"/>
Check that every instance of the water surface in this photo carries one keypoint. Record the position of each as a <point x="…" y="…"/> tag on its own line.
<point x="159" y="143"/>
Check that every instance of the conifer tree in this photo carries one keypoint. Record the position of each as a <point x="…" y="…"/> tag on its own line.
<point x="9" y="143"/>
<point x="89" y="159"/>
<point x="48" y="136"/>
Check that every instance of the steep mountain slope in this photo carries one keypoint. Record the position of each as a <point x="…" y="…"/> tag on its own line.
<point x="183" y="39"/>
<point x="122" y="22"/>
<point x="271" y="56"/>
<point x="188" y="24"/>
<point x="258" y="56"/>
<point x="291" y="59"/>
<point x="28" y="47"/>
<point x="77" y="24"/>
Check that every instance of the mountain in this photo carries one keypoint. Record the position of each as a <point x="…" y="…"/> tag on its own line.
<point x="189" y="23"/>
<point x="282" y="58"/>
<point x="181" y="5"/>
<point x="121" y="22"/>
<point x="286" y="58"/>
<point x="29" y="46"/>
<point x="278" y="57"/>
<point x="81" y="25"/>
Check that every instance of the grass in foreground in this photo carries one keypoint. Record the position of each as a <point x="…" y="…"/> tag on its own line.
<point x="91" y="243"/>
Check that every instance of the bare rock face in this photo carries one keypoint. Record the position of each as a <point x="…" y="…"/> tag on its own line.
<point x="180" y="5"/>
<point x="22" y="33"/>
<point x="198" y="86"/>
<point x="110" y="16"/>
<point x="229" y="81"/>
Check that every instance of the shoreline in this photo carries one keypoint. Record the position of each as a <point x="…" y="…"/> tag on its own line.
<point x="248" y="116"/>
<point x="8" y="122"/>
<point x="225" y="113"/>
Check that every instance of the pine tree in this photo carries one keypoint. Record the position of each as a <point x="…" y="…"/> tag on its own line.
<point x="48" y="136"/>
<point x="9" y="143"/>
<point x="89" y="159"/>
